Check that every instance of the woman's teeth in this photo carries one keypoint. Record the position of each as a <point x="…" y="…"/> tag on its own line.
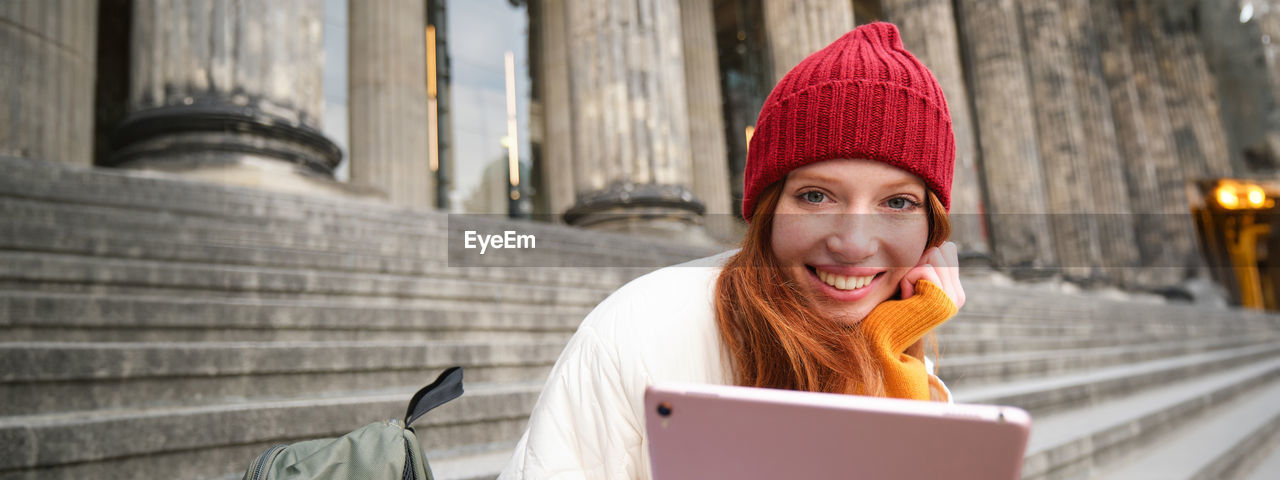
<point x="842" y="282"/>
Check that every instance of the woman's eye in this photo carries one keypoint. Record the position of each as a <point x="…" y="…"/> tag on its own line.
<point x="814" y="196"/>
<point x="899" y="203"/>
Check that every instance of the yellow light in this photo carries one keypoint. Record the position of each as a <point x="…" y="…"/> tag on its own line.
<point x="1226" y="195"/>
<point x="433" y="116"/>
<point x="431" y="61"/>
<point x="1257" y="198"/>
<point x="750" y="130"/>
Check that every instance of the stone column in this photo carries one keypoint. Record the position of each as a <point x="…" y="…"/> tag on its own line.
<point x="1101" y="153"/>
<point x="797" y="28"/>
<point x="557" y="150"/>
<point x="632" y="166"/>
<point x="1266" y="17"/>
<point x="1003" y="116"/>
<point x="1245" y="91"/>
<point x="47" y="69"/>
<point x="1061" y="139"/>
<point x="706" y="117"/>
<point x="228" y="90"/>
<point x="1193" y="112"/>
<point x="388" y="99"/>
<point x="929" y="31"/>
<point x="1157" y="192"/>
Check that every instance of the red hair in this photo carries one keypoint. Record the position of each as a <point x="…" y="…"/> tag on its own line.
<point x="774" y="333"/>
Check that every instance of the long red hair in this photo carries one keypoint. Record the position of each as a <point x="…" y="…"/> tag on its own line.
<point x="774" y="333"/>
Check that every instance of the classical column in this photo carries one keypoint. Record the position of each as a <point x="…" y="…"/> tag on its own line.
<point x="47" y="70"/>
<point x="630" y="118"/>
<point x="797" y="28"/>
<point x="1262" y="151"/>
<point x="929" y="31"/>
<point x="706" y="116"/>
<point x="1193" y="110"/>
<point x="1061" y="140"/>
<point x="1157" y="192"/>
<point x="1101" y="150"/>
<point x="1004" y="119"/>
<point x="387" y="95"/>
<point x="557" y="121"/>
<point x="229" y="91"/>
<point x="1231" y="49"/>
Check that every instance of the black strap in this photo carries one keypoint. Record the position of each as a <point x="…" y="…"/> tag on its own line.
<point x="447" y="386"/>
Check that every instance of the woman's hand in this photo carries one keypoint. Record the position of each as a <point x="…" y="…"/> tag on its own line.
<point x="940" y="266"/>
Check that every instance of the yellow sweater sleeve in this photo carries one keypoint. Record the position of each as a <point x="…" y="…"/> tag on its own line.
<point x="895" y="325"/>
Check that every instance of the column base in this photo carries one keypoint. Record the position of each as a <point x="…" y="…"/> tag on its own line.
<point x="254" y="172"/>
<point x="219" y="133"/>
<point x="666" y="211"/>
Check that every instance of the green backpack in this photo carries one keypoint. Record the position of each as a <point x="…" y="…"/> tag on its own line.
<point x="379" y="450"/>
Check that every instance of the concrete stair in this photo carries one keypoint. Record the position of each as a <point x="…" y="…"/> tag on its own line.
<point x="148" y="322"/>
<point x="1267" y="464"/>
<point x="1232" y="432"/>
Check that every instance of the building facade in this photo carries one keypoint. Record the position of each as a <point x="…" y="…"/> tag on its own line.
<point x="1078" y="122"/>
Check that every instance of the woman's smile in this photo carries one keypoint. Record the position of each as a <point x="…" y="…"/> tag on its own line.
<point x="845" y="278"/>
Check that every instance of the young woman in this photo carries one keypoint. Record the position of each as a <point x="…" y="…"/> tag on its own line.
<point x="839" y="283"/>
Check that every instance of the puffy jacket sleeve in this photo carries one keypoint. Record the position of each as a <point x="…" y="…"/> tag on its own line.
<point x="583" y="425"/>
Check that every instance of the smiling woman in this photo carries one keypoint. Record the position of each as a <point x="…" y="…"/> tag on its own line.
<point x="842" y="277"/>
<point x="846" y="231"/>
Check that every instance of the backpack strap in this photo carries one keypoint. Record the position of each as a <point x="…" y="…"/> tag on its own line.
<point x="447" y="386"/>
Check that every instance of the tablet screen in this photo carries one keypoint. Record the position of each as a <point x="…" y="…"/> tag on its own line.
<point x="708" y="431"/>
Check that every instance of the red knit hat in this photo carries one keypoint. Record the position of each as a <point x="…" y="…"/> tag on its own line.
<point x="864" y="96"/>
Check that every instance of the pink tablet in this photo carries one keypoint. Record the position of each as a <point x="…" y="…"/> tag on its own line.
<point x="711" y="431"/>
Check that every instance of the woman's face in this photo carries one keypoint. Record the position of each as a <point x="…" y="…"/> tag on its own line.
<point x="847" y="231"/>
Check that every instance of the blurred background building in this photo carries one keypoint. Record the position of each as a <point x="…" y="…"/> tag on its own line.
<point x="225" y="221"/>
<point x="1078" y="123"/>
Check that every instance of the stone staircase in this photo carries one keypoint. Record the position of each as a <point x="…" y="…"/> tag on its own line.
<point x="1122" y="389"/>
<point x="158" y="328"/>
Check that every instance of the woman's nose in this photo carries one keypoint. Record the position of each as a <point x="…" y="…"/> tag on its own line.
<point x="854" y="237"/>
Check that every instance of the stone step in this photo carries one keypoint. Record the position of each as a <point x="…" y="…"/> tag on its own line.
<point x="1071" y="444"/>
<point x="27" y="315"/>
<point x="177" y="196"/>
<point x="39" y="268"/>
<point x="174" y="193"/>
<point x="175" y="225"/>
<point x="482" y="462"/>
<point x="1114" y="312"/>
<point x="991" y="326"/>
<point x="1005" y="367"/>
<point x="973" y="326"/>
<point x="145" y="443"/>
<point x="1081" y="390"/>
<point x="62" y="377"/>
<point x="1267" y="466"/>
<point x="968" y="345"/>
<point x="144" y="248"/>
<point x="1003" y="300"/>
<point x="966" y="324"/>
<point x="102" y="315"/>
<point x="204" y="250"/>
<point x="205" y="247"/>
<point x="42" y="225"/>
<point x="1214" y="446"/>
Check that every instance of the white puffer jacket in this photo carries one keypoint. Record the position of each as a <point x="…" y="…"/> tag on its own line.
<point x="589" y="420"/>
